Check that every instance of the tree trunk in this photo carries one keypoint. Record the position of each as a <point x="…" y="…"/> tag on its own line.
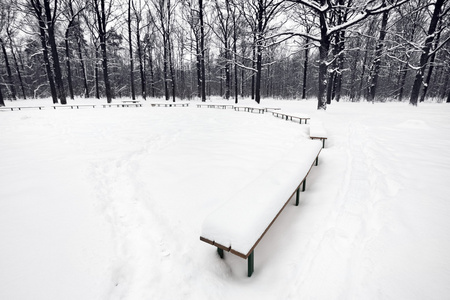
<point x="235" y="60"/>
<point x="202" y="50"/>
<point x="52" y="41"/>
<point x="130" y="45"/>
<point x="12" y="88"/>
<point x="431" y="68"/>
<point x="259" y="44"/>
<point x="97" y="86"/>
<point x="2" y="102"/>
<point x="323" y="55"/>
<point x="101" y="22"/>
<point x="69" y="72"/>
<point x="305" y="68"/>
<point x="152" y="75"/>
<point x="253" y="66"/>
<point x="172" y="71"/>
<point x="425" y="53"/>
<point x="375" y="71"/>
<point x="19" y="74"/>
<point x="83" y="68"/>
<point x="39" y="15"/>
<point x="141" y="61"/>
<point x="199" y="70"/>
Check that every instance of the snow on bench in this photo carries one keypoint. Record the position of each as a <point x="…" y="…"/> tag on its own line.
<point x="291" y="116"/>
<point x="317" y="131"/>
<point x="127" y="103"/>
<point x="239" y="224"/>
<point x="215" y="105"/>
<point x="169" y="104"/>
<point x="12" y="108"/>
<point x="72" y="106"/>
<point x="253" y="108"/>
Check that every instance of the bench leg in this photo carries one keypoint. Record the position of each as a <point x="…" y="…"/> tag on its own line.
<point x="220" y="252"/>
<point x="297" y="197"/>
<point x="251" y="265"/>
<point x="317" y="161"/>
<point x="304" y="185"/>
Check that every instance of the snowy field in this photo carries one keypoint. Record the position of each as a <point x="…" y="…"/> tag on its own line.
<point x="108" y="203"/>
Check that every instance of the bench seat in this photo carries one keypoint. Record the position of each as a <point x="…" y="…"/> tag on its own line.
<point x="240" y="223"/>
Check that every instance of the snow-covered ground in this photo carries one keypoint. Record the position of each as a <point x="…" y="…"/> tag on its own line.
<point x="108" y="203"/>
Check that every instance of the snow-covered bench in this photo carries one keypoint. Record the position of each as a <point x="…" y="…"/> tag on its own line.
<point x="169" y="104"/>
<point x="215" y="105"/>
<point x="127" y="103"/>
<point x="290" y="116"/>
<point x="12" y="108"/>
<point x="72" y="106"/>
<point x="317" y="131"/>
<point x="258" y="109"/>
<point x="240" y="224"/>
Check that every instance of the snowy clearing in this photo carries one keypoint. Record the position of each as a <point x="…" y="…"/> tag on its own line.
<point x="108" y="203"/>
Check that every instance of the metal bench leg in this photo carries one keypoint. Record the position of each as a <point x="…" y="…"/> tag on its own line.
<point x="317" y="161"/>
<point x="251" y="264"/>
<point x="304" y="185"/>
<point x="297" y="197"/>
<point x="220" y="252"/>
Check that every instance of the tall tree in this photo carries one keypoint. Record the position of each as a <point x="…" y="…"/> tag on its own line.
<point x="102" y="14"/>
<point x="50" y="24"/>
<point x="425" y="54"/>
<point x="130" y="45"/>
<point x="375" y="70"/>
<point x="38" y="12"/>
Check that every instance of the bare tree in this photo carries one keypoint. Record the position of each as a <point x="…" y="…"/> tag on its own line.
<point x="425" y="51"/>
<point x="323" y="8"/>
<point x="102" y="12"/>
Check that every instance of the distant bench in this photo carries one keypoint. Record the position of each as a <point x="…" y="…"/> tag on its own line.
<point x="127" y="103"/>
<point x="12" y="108"/>
<point x="317" y="131"/>
<point x="252" y="109"/>
<point x="240" y="224"/>
<point x="291" y="117"/>
<point x="215" y="105"/>
<point x="169" y="104"/>
<point x="72" y="106"/>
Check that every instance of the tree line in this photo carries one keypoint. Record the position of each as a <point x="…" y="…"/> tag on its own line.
<point x="377" y="50"/>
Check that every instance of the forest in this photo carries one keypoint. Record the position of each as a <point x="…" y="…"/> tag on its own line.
<point x="332" y="50"/>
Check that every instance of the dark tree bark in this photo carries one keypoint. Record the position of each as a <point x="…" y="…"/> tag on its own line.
<point x="16" y="63"/>
<point x="11" y="86"/>
<point x="202" y="51"/>
<point x="2" y="102"/>
<point x="83" y="68"/>
<point x="101" y="23"/>
<point x="52" y="41"/>
<point x="39" y="14"/>
<point x="137" y="14"/>
<point x="97" y="85"/>
<point x="375" y="71"/>
<point x="130" y="45"/>
<point x="152" y="73"/>
<point x="430" y="68"/>
<point x="425" y="53"/>
<point x="305" y="68"/>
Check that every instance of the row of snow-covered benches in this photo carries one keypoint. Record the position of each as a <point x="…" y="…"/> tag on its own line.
<point x="128" y="103"/>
